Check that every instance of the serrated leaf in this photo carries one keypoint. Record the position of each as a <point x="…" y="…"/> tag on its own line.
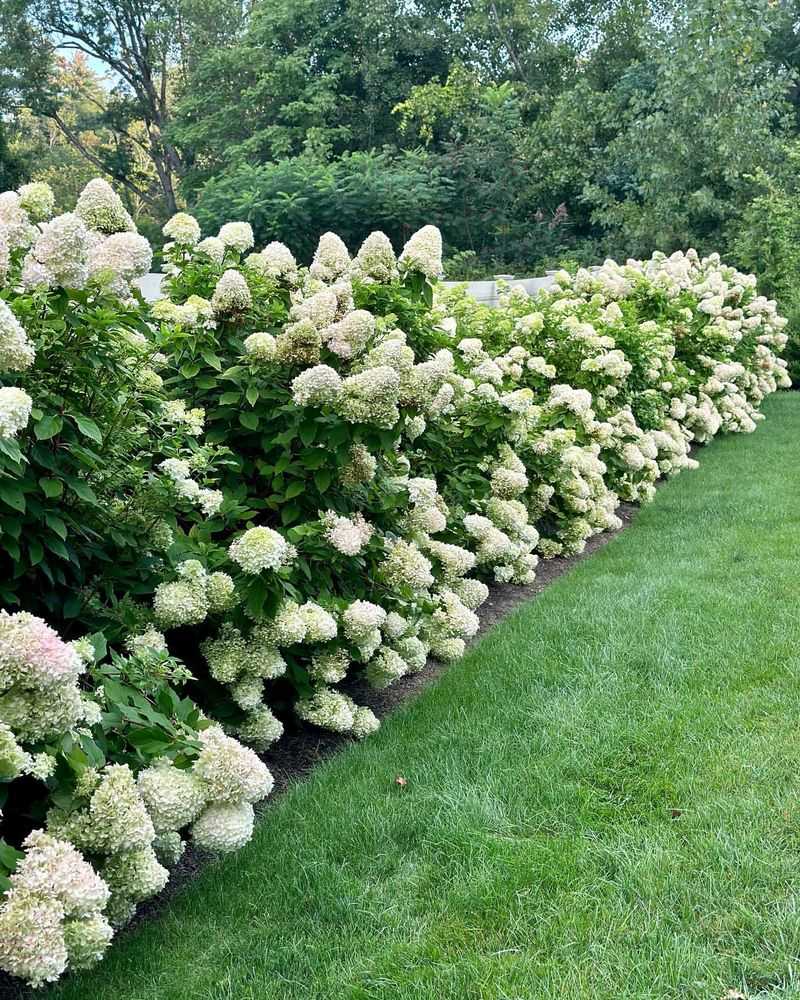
<point x="322" y="480"/>
<point x="55" y="523"/>
<point x="51" y="487"/>
<point x="48" y="427"/>
<point x="88" y="427"/>
<point x="13" y="495"/>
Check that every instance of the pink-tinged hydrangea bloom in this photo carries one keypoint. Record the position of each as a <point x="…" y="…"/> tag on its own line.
<point x="32" y="654"/>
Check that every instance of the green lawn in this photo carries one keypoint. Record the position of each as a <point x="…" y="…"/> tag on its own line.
<point x="602" y="798"/>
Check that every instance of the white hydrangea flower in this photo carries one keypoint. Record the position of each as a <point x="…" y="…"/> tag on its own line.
<point x="224" y="827"/>
<point x="231" y="294"/>
<point x="330" y="667"/>
<point x="151" y="640"/>
<point x="183" y="228"/>
<point x="261" y="729"/>
<point x="365" y="722"/>
<point x="317" y="386"/>
<point x="15" y="411"/>
<point x="124" y="255"/>
<point x="259" y="549"/>
<point x="386" y="667"/>
<point x="182" y="602"/>
<point x="331" y="259"/>
<point x="319" y="309"/>
<point x="454" y="560"/>
<point x="133" y="876"/>
<point x="229" y="771"/>
<point x="62" y="247"/>
<point x="414" y="652"/>
<point x="423" y="252"/>
<point x="447" y="647"/>
<point x="237" y="235"/>
<point x="274" y="261"/>
<point x="32" y="654"/>
<point x="169" y="848"/>
<point x="101" y="208"/>
<point x="406" y="568"/>
<point x="347" y="535"/>
<point x="174" y="797"/>
<point x="52" y="915"/>
<point x="328" y="709"/>
<point x="220" y="591"/>
<point x="118" y="818"/>
<point x="350" y="335"/>
<point x="5" y="257"/>
<point x="37" y="199"/>
<point x="370" y="397"/>
<point x="212" y="247"/>
<point x="320" y="625"/>
<point x="87" y="940"/>
<point x="13" y="759"/>
<point x="360" y="618"/>
<point x="260" y="347"/>
<point x="15" y="223"/>
<point x="376" y="260"/>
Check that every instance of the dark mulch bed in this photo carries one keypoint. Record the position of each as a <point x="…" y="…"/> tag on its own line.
<point x="303" y="747"/>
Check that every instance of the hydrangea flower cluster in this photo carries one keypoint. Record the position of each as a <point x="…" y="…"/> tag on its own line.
<point x="101" y="208"/>
<point x="52" y="916"/>
<point x="132" y="824"/>
<point x="179" y="473"/>
<point x="536" y="419"/>
<point x="193" y="596"/>
<point x="39" y="693"/>
<point x="15" y="410"/>
<point x="260" y="549"/>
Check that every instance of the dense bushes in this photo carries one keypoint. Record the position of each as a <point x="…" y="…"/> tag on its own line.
<point x="297" y="199"/>
<point x="299" y="477"/>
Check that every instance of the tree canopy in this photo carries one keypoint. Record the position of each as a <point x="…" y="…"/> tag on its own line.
<point x="530" y="131"/>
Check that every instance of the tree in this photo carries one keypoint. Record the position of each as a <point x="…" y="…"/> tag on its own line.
<point x="697" y="118"/>
<point x="12" y="167"/>
<point x="318" y="75"/>
<point x="145" y="46"/>
<point x="84" y="109"/>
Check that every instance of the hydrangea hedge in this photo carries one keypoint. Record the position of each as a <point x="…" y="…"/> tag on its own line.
<point x="220" y="511"/>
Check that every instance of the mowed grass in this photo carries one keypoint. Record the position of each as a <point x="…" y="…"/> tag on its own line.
<point x="601" y="799"/>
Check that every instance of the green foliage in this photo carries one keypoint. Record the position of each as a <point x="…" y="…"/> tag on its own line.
<point x="296" y="200"/>
<point x="79" y="496"/>
<point x="695" y="124"/>
<point x="767" y="241"/>
<point x="308" y="76"/>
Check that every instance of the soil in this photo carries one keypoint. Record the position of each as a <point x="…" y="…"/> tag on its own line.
<point x="303" y="747"/>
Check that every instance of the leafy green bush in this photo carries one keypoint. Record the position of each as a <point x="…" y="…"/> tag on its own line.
<point x="767" y="241"/>
<point x="84" y="508"/>
<point x="296" y="200"/>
